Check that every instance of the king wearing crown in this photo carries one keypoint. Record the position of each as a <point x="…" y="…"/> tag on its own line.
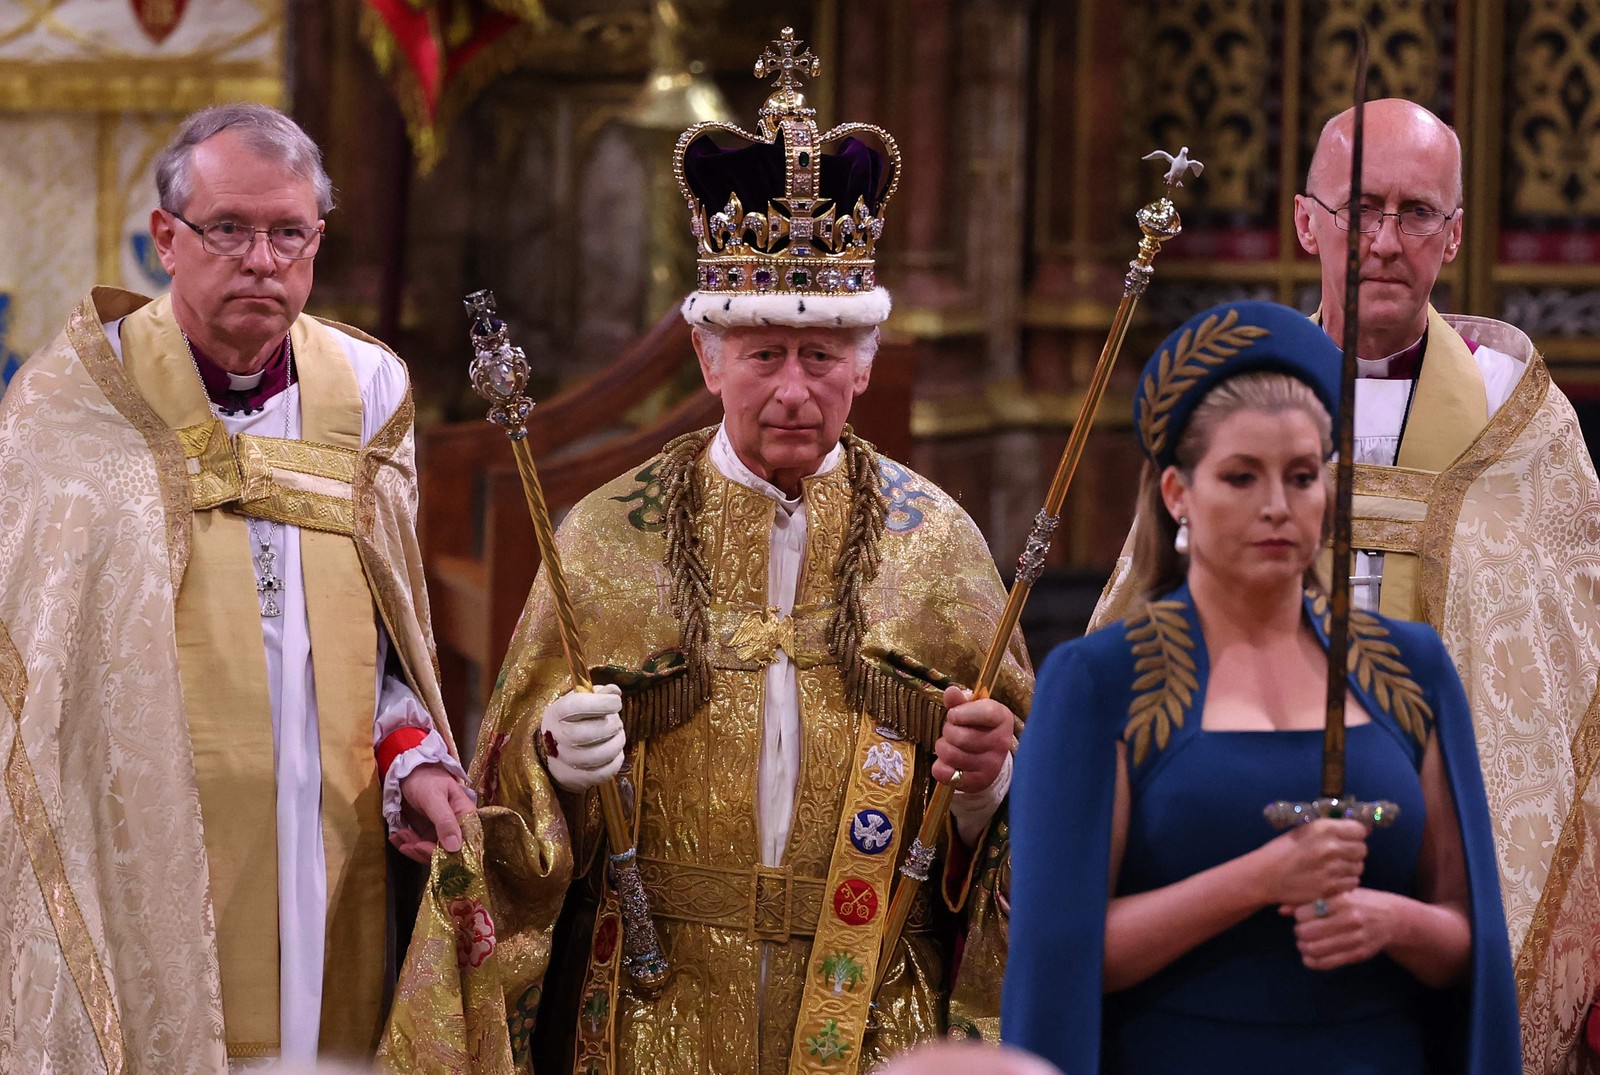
<point x="778" y="620"/>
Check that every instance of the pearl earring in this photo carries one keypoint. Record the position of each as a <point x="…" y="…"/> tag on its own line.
<point x="1180" y="541"/>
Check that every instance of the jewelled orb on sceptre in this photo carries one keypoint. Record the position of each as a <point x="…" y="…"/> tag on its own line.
<point x="499" y="371"/>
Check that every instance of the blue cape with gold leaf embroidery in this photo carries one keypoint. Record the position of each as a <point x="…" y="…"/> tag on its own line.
<point x="1062" y="813"/>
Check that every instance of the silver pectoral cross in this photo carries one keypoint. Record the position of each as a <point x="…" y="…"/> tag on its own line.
<point x="268" y="584"/>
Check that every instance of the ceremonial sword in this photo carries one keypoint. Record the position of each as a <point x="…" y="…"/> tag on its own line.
<point x="1159" y="222"/>
<point x="1332" y="802"/>
<point x="499" y="374"/>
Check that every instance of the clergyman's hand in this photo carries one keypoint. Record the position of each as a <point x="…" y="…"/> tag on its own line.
<point x="432" y="803"/>
<point x="976" y="740"/>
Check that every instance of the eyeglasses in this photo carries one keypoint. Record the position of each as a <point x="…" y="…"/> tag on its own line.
<point x="230" y="239"/>
<point x="1419" y="220"/>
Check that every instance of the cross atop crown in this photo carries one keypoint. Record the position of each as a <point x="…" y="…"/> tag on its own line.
<point x="782" y="59"/>
<point x="785" y="62"/>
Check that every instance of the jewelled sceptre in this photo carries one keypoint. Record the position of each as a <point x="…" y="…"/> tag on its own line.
<point x="1159" y="222"/>
<point x="1332" y="802"/>
<point x="499" y="374"/>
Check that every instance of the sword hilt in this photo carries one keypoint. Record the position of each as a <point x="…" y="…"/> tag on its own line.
<point x="1378" y="814"/>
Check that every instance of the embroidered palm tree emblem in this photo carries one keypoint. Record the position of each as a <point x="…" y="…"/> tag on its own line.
<point x="841" y="972"/>
<point x="828" y="1044"/>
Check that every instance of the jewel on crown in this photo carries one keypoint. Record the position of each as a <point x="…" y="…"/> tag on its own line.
<point x="819" y="233"/>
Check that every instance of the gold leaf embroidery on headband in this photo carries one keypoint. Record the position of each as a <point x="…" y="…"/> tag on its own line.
<point x="1197" y="353"/>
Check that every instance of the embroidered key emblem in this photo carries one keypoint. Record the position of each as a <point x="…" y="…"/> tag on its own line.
<point x="855" y="902"/>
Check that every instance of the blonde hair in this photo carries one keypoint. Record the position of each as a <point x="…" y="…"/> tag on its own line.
<point x="1157" y="566"/>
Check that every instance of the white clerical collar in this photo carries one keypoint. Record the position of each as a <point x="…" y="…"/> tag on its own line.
<point x="245" y="382"/>
<point x="1379" y="367"/>
<point x="730" y="466"/>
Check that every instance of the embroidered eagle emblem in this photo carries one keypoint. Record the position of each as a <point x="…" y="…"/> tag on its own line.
<point x="762" y="635"/>
<point x="884" y="766"/>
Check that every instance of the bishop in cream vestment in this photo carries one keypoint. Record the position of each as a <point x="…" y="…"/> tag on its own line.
<point x="193" y="828"/>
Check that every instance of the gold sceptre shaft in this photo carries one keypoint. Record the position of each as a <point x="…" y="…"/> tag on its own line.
<point x="499" y="374"/>
<point x="1158" y="221"/>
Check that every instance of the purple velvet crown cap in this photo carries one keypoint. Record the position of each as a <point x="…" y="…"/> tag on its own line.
<point x="755" y="173"/>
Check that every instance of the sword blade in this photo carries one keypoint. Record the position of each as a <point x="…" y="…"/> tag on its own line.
<point x="1333" y="757"/>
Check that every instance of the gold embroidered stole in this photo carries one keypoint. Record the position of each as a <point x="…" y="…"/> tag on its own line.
<point x="1448" y="412"/>
<point x="842" y="973"/>
<point x="223" y="670"/>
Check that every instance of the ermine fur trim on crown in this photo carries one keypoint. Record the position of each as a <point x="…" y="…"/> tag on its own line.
<point x="864" y="310"/>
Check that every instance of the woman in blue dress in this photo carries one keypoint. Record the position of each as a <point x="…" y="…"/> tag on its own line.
<point x="1159" y="923"/>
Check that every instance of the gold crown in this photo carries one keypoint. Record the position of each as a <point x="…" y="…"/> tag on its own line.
<point x="802" y="241"/>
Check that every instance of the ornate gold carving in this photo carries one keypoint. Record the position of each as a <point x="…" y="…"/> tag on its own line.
<point x="1165" y="683"/>
<point x="1403" y="54"/>
<point x="132" y="85"/>
<point x="1207" y="74"/>
<point x="1197" y="353"/>
<point x="1554" y="111"/>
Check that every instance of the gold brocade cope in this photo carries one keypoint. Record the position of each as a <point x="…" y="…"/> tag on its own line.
<point x="739" y="933"/>
<point x="1498" y="548"/>
<point x="473" y="980"/>
<point x="120" y="924"/>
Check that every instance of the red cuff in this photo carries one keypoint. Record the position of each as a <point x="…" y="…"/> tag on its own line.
<point x="1593" y="1033"/>
<point x="395" y="744"/>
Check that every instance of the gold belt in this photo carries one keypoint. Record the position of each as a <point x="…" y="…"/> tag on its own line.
<point x="768" y="903"/>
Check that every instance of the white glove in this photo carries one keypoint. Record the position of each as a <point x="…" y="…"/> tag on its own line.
<point x="583" y="737"/>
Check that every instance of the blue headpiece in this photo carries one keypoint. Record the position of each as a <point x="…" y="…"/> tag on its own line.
<point x="1223" y="342"/>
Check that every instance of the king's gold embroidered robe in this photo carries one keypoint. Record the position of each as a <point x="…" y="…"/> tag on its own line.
<point x="752" y="987"/>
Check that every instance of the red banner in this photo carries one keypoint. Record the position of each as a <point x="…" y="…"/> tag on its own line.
<point x="439" y="54"/>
